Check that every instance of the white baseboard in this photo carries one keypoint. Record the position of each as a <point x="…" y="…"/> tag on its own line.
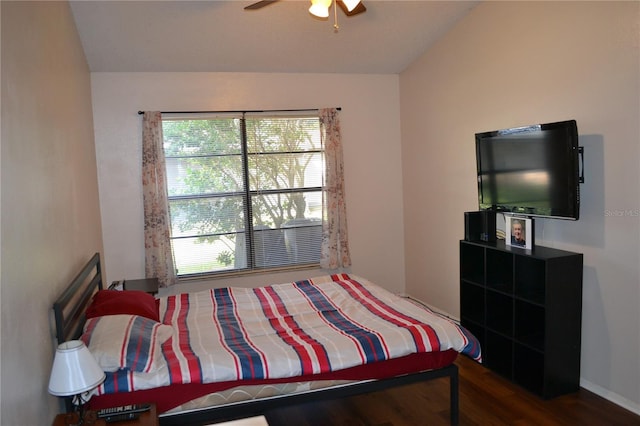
<point x="592" y="387"/>
<point x="610" y="396"/>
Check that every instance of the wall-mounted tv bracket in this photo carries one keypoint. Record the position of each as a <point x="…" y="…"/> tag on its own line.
<point x="581" y="153"/>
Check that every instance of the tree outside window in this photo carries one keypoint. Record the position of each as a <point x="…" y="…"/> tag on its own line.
<point x="245" y="191"/>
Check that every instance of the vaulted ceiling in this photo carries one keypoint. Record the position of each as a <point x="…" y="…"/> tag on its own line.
<point x="220" y="36"/>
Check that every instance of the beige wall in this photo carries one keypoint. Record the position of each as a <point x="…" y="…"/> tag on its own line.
<point x="505" y="64"/>
<point x="371" y="138"/>
<point x="517" y="63"/>
<point x="50" y="210"/>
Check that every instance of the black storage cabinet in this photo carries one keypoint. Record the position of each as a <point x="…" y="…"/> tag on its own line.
<point x="525" y="307"/>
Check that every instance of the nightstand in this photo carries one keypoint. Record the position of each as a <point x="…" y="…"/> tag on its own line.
<point x="148" y="285"/>
<point x="147" y="418"/>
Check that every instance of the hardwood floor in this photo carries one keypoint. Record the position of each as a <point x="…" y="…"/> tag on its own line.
<point x="485" y="399"/>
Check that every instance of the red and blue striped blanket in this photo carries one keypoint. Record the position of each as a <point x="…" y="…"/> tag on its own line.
<point x="307" y="327"/>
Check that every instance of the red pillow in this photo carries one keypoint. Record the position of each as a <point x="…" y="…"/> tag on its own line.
<point x="126" y="302"/>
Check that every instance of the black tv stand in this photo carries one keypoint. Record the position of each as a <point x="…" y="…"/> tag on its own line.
<point x="525" y="307"/>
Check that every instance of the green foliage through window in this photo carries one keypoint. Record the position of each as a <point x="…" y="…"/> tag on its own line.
<point x="245" y="190"/>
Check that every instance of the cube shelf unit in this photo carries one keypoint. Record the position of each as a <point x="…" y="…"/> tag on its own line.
<point x="525" y="308"/>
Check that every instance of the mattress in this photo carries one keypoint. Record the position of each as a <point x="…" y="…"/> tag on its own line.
<point x="180" y="397"/>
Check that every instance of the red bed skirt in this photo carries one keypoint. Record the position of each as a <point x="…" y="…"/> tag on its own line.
<point x="169" y="397"/>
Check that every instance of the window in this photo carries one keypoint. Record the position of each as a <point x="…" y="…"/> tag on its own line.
<point x="245" y="190"/>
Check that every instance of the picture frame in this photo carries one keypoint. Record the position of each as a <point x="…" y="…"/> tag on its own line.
<point x="519" y="232"/>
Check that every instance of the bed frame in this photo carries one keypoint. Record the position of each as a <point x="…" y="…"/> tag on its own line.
<point x="69" y="308"/>
<point x="69" y="312"/>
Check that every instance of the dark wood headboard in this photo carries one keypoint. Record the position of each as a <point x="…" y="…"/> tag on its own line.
<point x="69" y="309"/>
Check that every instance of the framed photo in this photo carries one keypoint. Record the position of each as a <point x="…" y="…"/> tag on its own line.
<point x="519" y="232"/>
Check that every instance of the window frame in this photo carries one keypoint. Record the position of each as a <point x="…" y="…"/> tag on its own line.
<point x="247" y="193"/>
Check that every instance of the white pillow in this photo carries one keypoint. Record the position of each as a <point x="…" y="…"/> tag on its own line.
<point x="125" y="342"/>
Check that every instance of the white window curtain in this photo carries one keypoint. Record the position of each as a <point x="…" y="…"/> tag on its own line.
<point x="334" y="253"/>
<point x="157" y="227"/>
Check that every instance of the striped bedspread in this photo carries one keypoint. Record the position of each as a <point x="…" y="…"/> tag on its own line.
<point x="313" y="326"/>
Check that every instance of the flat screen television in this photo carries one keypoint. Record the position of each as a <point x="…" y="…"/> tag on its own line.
<point x="530" y="171"/>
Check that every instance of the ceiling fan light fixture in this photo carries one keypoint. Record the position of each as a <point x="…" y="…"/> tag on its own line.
<point x="351" y="4"/>
<point x="320" y="8"/>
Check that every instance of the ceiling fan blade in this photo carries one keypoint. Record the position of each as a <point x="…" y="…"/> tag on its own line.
<point x="260" y="4"/>
<point x="356" y="10"/>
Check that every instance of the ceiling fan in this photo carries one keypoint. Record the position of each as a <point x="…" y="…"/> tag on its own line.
<point x="320" y="8"/>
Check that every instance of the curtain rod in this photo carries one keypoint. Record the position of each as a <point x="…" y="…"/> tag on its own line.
<point x="226" y="112"/>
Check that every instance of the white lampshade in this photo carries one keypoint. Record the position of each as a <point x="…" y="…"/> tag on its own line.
<point x="74" y="370"/>
<point x="351" y="4"/>
<point x="320" y="8"/>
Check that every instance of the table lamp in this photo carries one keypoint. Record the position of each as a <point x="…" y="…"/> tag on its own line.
<point x="75" y="372"/>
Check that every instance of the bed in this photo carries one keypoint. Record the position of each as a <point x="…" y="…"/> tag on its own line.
<point x="227" y="353"/>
